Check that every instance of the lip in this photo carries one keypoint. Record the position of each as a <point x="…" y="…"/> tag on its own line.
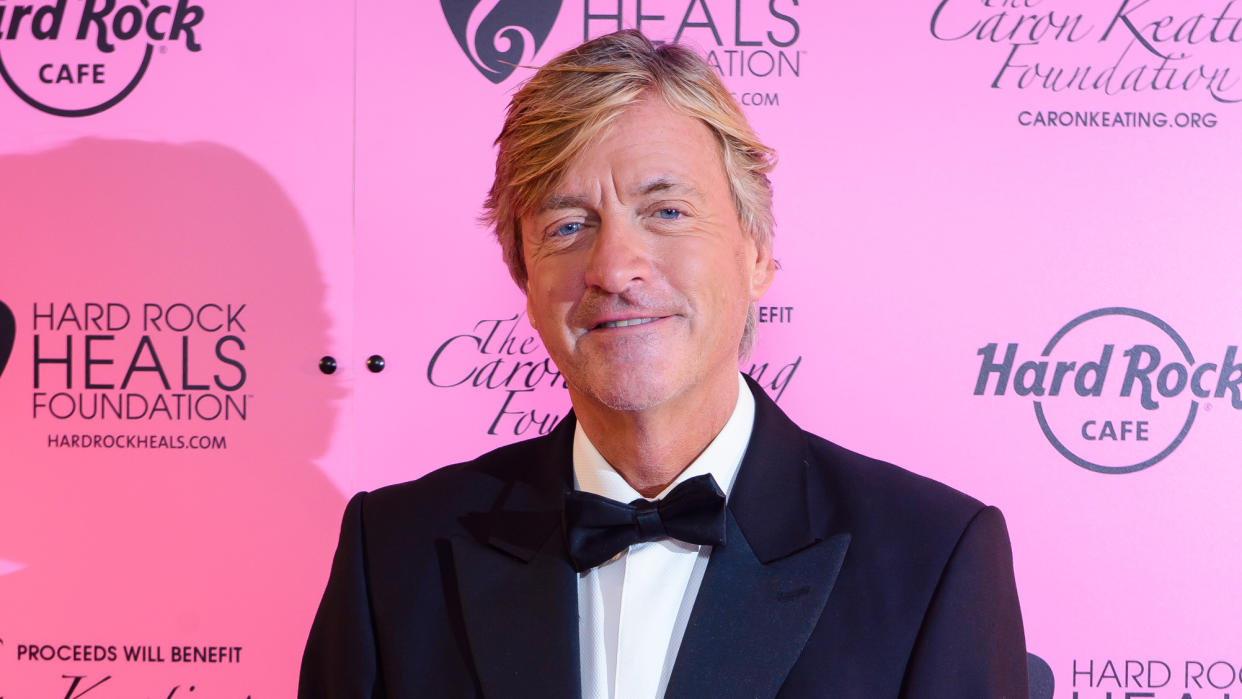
<point x="627" y="322"/>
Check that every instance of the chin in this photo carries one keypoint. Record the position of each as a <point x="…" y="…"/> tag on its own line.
<point x="626" y="401"/>
<point x="629" y="391"/>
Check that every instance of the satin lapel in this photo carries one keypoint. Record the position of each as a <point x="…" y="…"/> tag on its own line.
<point x="521" y="620"/>
<point x="518" y="591"/>
<point x="751" y="620"/>
<point x="765" y="588"/>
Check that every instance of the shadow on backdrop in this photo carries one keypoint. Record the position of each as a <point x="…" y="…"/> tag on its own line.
<point x="161" y="547"/>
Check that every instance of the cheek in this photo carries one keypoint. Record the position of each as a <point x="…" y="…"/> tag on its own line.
<point x="552" y="288"/>
<point x="714" y="283"/>
<point x="560" y="279"/>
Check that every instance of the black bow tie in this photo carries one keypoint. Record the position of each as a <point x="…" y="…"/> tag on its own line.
<point x="599" y="528"/>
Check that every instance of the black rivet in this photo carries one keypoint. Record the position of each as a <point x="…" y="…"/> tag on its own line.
<point x="327" y="364"/>
<point x="375" y="363"/>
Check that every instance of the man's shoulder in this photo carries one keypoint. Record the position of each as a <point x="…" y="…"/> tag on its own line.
<point x="469" y="486"/>
<point x="887" y="481"/>
<point x="874" y="499"/>
<point x="857" y="493"/>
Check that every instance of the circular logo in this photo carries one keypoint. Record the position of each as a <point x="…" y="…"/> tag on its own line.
<point x="1115" y="395"/>
<point x="82" y="58"/>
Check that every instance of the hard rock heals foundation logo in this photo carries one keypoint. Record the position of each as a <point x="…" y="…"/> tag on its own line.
<point x="752" y="46"/>
<point x="125" y="373"/>
<point x="101" y="361"/>
<point x="75" y="58"/>
<point x="1115" y="390"/>
<point x="499" y="35"/>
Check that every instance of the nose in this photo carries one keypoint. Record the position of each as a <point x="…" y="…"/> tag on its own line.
<point x="619" y="256"/>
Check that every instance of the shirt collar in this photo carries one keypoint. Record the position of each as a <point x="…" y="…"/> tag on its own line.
<point x="721" y="458"/>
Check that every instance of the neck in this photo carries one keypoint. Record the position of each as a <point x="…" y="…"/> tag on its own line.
<point x="651" y="447"/>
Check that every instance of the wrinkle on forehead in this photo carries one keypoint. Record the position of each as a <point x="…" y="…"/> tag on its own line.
<point x="557" y="198"/>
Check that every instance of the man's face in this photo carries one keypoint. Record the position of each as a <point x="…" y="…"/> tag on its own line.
<point x="639" y="271"/>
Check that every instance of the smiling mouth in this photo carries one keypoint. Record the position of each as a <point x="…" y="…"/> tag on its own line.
<point x="624" y="323"/>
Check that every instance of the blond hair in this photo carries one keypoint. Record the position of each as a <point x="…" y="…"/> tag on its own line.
<point x="570" y="101"/>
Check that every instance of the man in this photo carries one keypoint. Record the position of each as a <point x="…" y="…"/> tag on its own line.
<point x="632" y="203"/>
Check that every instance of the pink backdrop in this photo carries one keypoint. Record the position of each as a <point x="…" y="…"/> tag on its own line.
<point x="283" y="183"/>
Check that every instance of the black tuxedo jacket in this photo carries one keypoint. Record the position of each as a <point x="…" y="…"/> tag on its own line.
<point x="841" y="576"/>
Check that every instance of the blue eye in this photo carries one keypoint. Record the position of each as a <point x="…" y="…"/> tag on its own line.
<point x="568" y="229"/>
<point x="668" y="214"/>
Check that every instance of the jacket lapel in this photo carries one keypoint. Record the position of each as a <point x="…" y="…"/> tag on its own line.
<point x="518" y="592"/>
<point x="765" y="588"/>
<point x="760" y="599"/>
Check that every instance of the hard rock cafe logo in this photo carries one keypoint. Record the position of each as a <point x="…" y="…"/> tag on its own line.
<point x="499" y="35"/>
<point x="74" y="59"/>
<point x="1115" y="390"/>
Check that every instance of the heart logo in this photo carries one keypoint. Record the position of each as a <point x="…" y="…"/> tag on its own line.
<point x="496" y="34"/>
<point x="8" y="333"/>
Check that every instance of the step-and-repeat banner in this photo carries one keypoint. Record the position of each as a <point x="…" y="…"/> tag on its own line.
<point x="241" y="278"/>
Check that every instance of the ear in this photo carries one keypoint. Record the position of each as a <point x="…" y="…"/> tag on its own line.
<point x="763" y="271"/>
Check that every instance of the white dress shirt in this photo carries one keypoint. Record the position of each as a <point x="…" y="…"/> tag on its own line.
<point x="633" y="609"/>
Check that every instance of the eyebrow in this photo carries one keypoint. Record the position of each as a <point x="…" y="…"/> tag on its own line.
<point x="664" y="184"/>
<point x="564" y="201"/>
<point x="654" y="185"/>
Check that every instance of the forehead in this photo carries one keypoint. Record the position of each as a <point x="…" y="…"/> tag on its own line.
<point x="648" y="148"/>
